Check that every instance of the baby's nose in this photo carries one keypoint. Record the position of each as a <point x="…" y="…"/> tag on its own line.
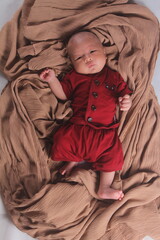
<point x="87" y="58"/>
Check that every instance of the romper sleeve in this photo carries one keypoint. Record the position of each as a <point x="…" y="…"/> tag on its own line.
<point x="67" y="86"/>
<point x="122" y="87"/>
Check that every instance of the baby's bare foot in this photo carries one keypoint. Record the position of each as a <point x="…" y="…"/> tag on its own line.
<point x="67" y="168"/>
<point x="110" y="193"/>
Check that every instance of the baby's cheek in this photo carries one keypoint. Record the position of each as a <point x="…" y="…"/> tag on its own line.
<point x="76" y="66"/>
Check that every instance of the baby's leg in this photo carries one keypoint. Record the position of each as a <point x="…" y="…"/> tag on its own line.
<point x="105" y="191"/>
<point x="67" y="168"/>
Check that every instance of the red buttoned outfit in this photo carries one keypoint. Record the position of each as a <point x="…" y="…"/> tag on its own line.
<point x="91" y="133"/>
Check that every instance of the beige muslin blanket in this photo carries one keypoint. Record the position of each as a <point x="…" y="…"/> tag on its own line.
<point x="38" y="201"/>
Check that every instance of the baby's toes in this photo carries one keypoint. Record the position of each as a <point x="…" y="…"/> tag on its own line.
<point x="121" y="196"/>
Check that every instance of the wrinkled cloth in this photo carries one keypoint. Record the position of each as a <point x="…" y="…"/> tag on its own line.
<point x="38" y="201"/>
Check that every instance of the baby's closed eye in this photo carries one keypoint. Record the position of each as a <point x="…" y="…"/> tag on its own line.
<point x="92" y="51"/>
<point x="78" y="58"/>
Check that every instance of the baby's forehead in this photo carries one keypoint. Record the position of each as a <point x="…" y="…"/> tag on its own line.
<point x="83" y="37"/>
<point x="82" y="40"/>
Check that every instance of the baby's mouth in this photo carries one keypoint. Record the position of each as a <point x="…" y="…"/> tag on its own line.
<point x="90" y="65"/>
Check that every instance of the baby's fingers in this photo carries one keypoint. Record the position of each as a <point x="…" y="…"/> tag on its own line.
<point x="126" y="101"/>
<point x="124" y="108"/>
<point x="125" y="105"/>
<point x="44" y="74"/>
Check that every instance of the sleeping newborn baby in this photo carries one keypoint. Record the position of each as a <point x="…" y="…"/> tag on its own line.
<point x="91" y="133"/>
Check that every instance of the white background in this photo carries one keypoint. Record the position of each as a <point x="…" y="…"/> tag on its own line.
<point x="7" y="9"/>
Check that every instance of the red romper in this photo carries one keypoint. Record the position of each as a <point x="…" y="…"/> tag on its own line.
<point x="91" y="133"/>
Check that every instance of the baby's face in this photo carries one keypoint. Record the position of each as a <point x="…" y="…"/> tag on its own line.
<point x="86" y="53"/>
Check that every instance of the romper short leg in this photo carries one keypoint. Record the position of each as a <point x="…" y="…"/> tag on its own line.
<point x="67" y="143"/>
<point x="110" y="155"/>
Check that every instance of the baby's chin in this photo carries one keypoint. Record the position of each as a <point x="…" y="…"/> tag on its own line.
<point x="92" y="70"/>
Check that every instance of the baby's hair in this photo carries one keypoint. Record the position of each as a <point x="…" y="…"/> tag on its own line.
<point x="68" y="37"/>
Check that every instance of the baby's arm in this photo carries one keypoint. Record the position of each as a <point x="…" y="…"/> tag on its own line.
<point x="48" y="75"/>
<point x="125" y="102"/>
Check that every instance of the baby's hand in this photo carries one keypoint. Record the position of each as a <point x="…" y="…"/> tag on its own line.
<point x="125" y="102"/>
<point x="47" y="75"/>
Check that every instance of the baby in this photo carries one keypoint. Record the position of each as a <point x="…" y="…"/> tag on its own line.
<point x="91" y="133"/>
